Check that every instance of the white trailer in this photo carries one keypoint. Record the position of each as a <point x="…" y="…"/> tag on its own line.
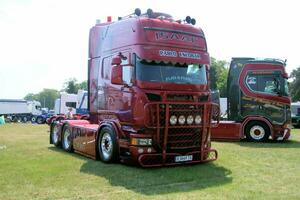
<point x="19" y="110"/>
<point x="76" y="101"/>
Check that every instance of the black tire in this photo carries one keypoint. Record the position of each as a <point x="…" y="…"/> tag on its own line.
<point x="40" y="120"/>
<point x="25" y="119"/>
<point x="54" y="134"/>
<point x="107" y="145"/>
<point x="19" y="119"/>
<point x="66" y="139"/>
<point x="257" y="131"/>
<point x="33" y="120"/>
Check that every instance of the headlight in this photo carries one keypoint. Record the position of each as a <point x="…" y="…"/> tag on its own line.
<point x="173" y="120"/>
<point x="181" y="119"/>
<point x="190" y="119"/>
<point x="141" y="141"/>
<point x="198" y="119"/>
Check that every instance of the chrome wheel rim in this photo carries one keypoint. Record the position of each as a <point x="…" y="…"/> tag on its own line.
<point x="67" y="142"/>
<point x="257" y="132"/>
<point x="106" y="146"/>
<point x="55" y="134"/>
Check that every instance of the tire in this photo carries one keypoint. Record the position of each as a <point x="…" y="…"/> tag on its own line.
<point x="54" y="134"/>
<point x="19" y="119"/>
<point x="107" y="145"/>
<point x="33" y="120"/>
<point x="40" y="120"/>
<point x="67" y="142"/>
<point x="257" y="131"/>
<point x="25" y="119"/>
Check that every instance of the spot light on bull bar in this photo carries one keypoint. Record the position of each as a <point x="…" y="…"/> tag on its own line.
<point x="181" y="119"/>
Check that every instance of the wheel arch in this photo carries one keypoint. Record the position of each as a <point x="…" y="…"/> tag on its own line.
<point x="256" y="118"/>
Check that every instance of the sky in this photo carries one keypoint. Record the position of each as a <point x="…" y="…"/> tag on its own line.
<point x="43" y="43"/>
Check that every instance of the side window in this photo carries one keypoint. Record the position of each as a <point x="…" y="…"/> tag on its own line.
<point x="263" y="83"/>
<point x="71" y="104"/>
<point x="127" y="72"/>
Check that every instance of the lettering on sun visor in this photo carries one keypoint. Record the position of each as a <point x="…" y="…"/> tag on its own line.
<point x="181" y="54"/>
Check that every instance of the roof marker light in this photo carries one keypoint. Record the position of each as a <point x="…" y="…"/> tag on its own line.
<point x="137" y="12"/>
<point x="188" y="19"/>
<point x="150" y="13"/>
<point x="193" y="21"/>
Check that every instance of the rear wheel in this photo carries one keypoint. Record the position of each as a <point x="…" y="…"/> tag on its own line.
<point x="67" y="142"/>
<point x="257" y="131"/>
<point x="107" y="145"/>
<point x="33" y="119"/>
<point x="25" y="119"/>
<point x="54" y="134"/>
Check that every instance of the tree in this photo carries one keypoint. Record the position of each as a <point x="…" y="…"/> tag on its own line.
<point x="31" y="97"/>
<point x="294" y="84"/>
<point x="46" y="97"/>
<point x="218" y="76"/>
<point x="71" y="86"/>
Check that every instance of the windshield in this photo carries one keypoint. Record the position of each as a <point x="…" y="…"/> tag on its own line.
<point x="171" y="73"/>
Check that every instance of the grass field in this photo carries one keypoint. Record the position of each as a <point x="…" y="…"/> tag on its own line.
<point x="30" y="168"/>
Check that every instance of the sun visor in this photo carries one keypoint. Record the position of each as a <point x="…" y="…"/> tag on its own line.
<point x="173" y="55"/>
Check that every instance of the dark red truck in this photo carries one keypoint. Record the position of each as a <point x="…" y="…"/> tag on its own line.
<point x="149" y="96"/>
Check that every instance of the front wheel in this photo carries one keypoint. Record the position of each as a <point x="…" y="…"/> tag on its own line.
<point x="257" y="131"/>
<point x="40" y="120"/>
<point x="107" y="145"/>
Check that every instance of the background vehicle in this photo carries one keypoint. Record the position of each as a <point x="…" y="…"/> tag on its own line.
<point x="258" y="101"/>
<point x="19" y="110"/>
<point x="149" y="98"/>
<point x="295" y="109"/>
<point x="76" y="101"/>
<point x="42" y="118"/>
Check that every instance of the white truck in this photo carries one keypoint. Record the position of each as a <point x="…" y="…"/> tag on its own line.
<point x="76" y="101"/>
<point x="19" y="110"/>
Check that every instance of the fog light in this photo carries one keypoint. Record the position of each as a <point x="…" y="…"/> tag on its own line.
<point x="198" y="119"/>
<point x="190" y="119"/>
<point x="181" y="119"/>
<point x="173" y="120"/>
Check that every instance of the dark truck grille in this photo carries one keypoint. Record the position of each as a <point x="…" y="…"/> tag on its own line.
<point x="178" y="138"/>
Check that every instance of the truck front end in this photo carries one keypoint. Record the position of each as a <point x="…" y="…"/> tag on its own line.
<point x="172" y="109"/>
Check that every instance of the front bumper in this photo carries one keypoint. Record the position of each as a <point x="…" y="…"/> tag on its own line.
<point x="285" y="136"/>
<point x="168" y="159"/>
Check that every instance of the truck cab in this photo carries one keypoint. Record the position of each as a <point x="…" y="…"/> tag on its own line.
<point x="258" y="100"/>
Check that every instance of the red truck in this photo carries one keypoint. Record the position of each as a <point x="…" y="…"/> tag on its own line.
<point x="258" y="106"/>
<point x="149" y="99"/>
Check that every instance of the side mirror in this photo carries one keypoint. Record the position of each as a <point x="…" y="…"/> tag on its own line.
<point x="116" y="61"/>
<point x="116" y="75"/>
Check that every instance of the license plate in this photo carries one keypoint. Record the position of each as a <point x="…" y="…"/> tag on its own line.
<point x="183" y="158"/>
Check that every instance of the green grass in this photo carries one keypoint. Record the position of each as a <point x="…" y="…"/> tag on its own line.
<point x="30" y="168"/>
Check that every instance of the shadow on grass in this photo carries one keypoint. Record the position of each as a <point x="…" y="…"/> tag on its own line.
<point x="271" y="144"/>
<point x="157" y="180"/>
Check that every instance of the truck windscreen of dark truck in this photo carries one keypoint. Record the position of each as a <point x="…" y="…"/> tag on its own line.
<point x="171" y="73"/>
